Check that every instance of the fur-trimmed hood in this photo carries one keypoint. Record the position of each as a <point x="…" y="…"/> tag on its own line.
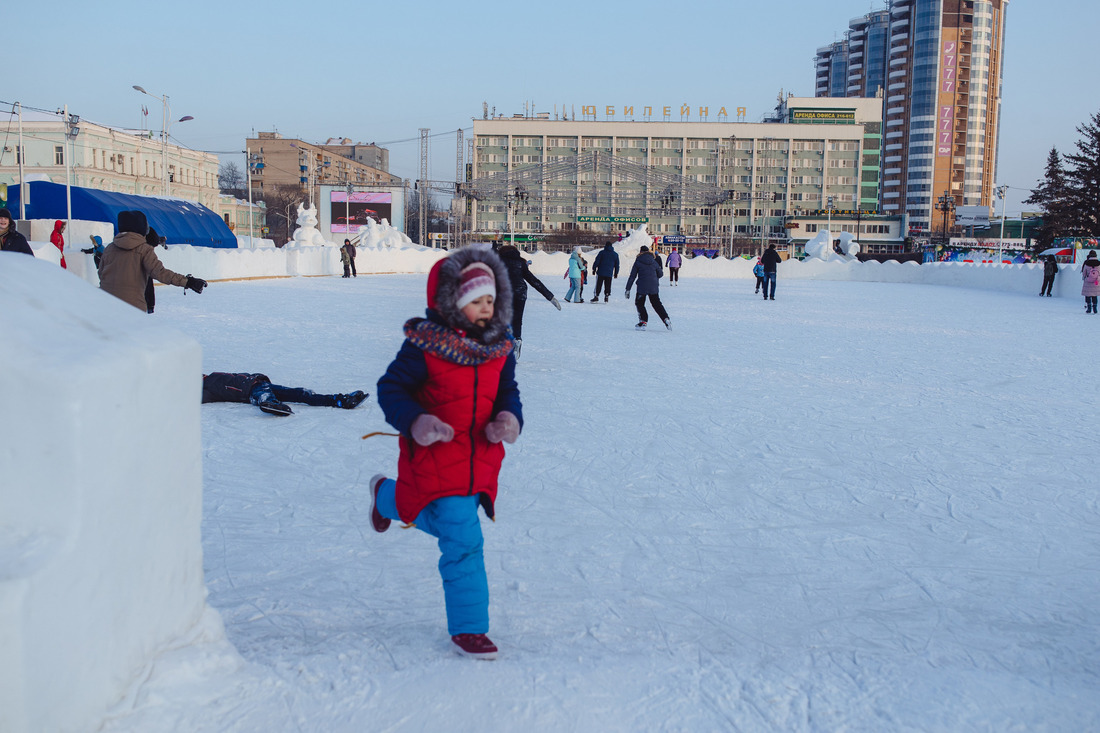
<point x="443" y="285"/>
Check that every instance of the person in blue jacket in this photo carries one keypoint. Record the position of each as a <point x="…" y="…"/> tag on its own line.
<point x="605" y="267"/>
<point x="758" y="270"/>
<point x="576" y="270"/>
<point x="96" y="250"/>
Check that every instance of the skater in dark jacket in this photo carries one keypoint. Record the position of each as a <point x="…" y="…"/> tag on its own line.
<point x="451" y="392"/>
<point x="770" y="259"/>
<point x="647" y="270"/>
<point x="1050" y="270"/>
<point x="10" y="239"/>
<point x="519" y="274"/>
<point x="270" y="398"/>
<point x="605" y="267"/>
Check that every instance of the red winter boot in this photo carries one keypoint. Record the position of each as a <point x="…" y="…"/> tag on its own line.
<point x="380" y="523"/>
<point x="476" y="646"/>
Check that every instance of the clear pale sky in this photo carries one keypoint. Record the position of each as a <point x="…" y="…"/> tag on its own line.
<point x="374" y="71"/>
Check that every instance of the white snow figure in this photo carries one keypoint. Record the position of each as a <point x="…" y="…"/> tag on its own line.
<point x="377" y="235"/>
<point x="307" y="232"/>
<point x="820" y="247"/>
<point x="632" y="243"/>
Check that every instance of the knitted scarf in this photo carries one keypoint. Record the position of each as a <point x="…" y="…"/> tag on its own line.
<point x="454" y="346"/>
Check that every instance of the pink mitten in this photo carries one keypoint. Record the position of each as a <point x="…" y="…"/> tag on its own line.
<point x="428" y="429"/>
<point x="505" y="427"/>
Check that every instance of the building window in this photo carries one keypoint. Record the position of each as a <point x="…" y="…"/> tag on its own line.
<point x="59" y="155"/>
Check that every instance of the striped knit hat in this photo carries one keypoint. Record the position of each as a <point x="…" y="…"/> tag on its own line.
<point x="476" y="280"/>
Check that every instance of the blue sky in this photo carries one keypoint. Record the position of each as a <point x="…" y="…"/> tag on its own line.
<point x="379" y="71"/>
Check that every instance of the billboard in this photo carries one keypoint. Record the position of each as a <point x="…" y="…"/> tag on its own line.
<point x="972" y="216"/>
<point x="347" y="216"/>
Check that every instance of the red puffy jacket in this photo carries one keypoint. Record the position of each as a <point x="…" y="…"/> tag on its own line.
<point x="464" y="382"/>
<point x="464" y="398"/>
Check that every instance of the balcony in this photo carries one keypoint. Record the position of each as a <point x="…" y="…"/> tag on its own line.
<point x="892" y="159"/>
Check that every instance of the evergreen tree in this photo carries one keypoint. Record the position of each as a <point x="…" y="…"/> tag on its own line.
<point x="1083" y="179"/>
<point x="1051" y="195"/>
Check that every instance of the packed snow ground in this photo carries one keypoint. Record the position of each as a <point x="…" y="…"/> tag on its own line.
<point x="862" y="506"/>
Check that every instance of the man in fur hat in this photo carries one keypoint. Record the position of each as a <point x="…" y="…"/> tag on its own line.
<point x="129" y="261"/>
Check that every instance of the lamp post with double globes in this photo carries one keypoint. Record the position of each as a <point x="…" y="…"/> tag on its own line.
<point x="165" y="128"/>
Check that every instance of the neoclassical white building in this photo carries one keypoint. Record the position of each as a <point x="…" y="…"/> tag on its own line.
<point x="83" y="153"/>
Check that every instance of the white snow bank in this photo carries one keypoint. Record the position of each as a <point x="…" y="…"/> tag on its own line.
<point x="385" y="250"/>
<point x="100" y="496"/>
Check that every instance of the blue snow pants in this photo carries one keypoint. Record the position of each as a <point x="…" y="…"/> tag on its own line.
<point x="454" y="521"/>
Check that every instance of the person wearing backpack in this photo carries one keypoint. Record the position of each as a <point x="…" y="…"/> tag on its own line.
<point x="1090" y="274"/>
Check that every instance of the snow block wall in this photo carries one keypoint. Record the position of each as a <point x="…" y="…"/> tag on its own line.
<point x="100" y="496"/>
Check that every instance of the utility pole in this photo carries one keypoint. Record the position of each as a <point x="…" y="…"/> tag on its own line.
<point x="456" y="201"/>
<point x="424" y="186"/>
<point x="22" y="154"/>
<point x="248" y="164"/>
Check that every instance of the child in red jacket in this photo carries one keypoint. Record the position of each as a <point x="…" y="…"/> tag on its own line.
<point x="451" y="392"/>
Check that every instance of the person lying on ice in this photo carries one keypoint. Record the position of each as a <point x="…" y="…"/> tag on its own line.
<point x="451" y="392"/>
<point x="270" y="398"/>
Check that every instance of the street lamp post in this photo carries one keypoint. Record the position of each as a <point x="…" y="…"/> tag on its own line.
<point x="347" y="207"/>
<point x="165" y="128"/>
<point x="1002" y="191"/>
<point x="515" y="198"/>
<point x="945" y="204"/>
<point x="71" y="131"/>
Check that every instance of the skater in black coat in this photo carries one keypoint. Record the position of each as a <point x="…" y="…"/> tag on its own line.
<point x="519" y="274"/>
<point x="270" y="398"/>
<point x="647" y="270"/>
<point x="1050" y="271"/>
<point x="605" y="267"/>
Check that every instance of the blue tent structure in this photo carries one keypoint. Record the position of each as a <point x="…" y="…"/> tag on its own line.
<point x="182" y="222"/>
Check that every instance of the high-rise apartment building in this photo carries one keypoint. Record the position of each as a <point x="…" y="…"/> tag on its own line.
<point x="939" y="64"/>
